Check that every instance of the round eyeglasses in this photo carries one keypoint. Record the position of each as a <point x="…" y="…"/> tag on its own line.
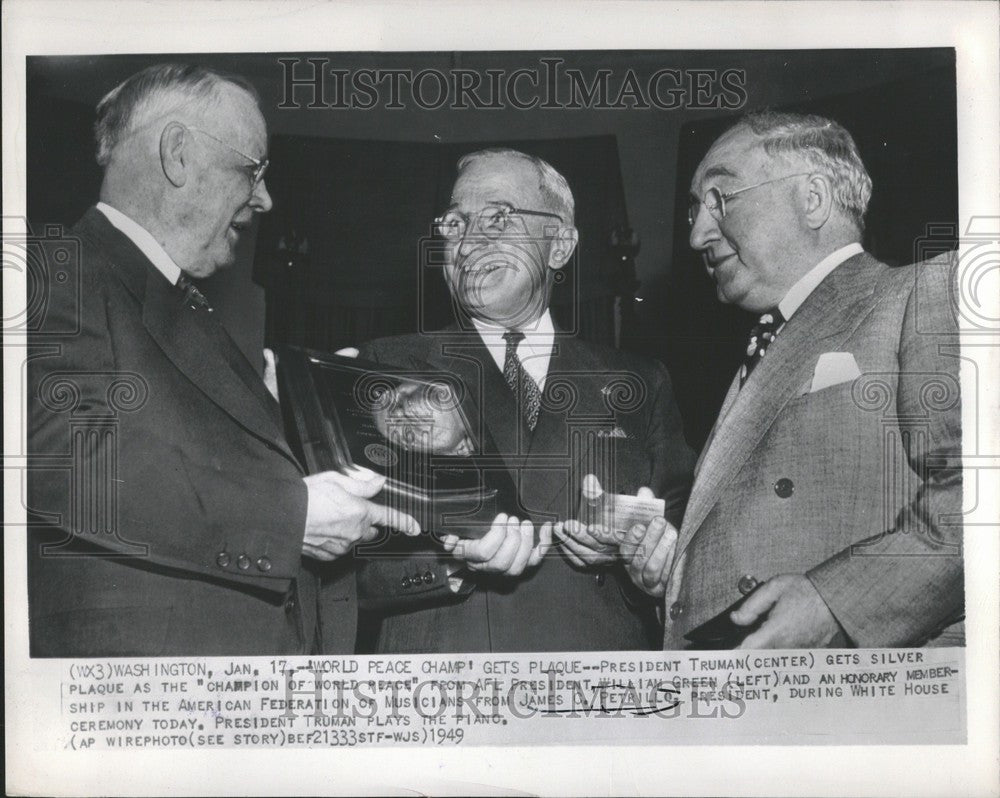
<point x="715" y="200"/>
<point x="260" y="166"/>
<point x="490" y="222"/>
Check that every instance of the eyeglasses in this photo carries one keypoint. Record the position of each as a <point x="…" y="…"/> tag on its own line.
<point x="259" y="166"/>
<point x="491" y="221"/>
<point x="715" y="200"/>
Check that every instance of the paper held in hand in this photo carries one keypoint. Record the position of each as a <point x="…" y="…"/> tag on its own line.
<point x="616" y="513"/>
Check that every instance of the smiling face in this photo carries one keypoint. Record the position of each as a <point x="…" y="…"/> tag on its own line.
<point x="221" y="199"/>
<point x="753" y="254"/>
<point x="505" y="280"/>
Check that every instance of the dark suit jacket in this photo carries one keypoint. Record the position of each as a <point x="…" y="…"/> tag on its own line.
<point x="604" y="411"/>
<point x="856" y="483"/>
<point x="174" y="510"/>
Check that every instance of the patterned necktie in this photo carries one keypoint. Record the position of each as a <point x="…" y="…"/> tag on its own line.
<point x="761" y="337"/>
<point x="192" y="296"/>
<point x="529" y="398"/>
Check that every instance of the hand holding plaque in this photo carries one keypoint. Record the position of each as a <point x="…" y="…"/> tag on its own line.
<point x="339" y="514"/>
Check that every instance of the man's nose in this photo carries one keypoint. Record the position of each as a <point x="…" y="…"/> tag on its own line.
<point x="472" y="240"/>
<point x="704" y="231"/>
<point x="260" y="199"/>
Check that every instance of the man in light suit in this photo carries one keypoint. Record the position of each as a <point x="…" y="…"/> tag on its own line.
<point x="556" y="408"/>
<point x="829" y="491"/>
<point x="174" y="517"/>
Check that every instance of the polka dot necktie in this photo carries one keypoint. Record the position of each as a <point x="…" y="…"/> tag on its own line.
<point x="761" y="336"/>
<point x="529" y="398"/>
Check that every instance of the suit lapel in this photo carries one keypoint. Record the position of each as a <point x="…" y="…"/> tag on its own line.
<point x="462" y="352"/>
<point x="465" y="355"/>
<point x="195" y="351"/>
<point x="827" y="316"/>
<point x="185" y="340"/>
<point x="552" y="442"/>
<point x="727" y="404"/>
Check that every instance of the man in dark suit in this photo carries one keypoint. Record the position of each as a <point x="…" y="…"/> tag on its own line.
<point x="830" y="489"/>
<point x="175" y="516"/>
<point x="556" y="408"/>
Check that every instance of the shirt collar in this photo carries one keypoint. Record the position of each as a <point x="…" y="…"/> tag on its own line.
<point x="798" y="293"/>
<point x="142" y="238"/>
<point x="535" y="351"/>
<point x="538" y="331"/>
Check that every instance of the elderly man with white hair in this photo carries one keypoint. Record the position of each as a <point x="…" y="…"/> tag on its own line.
<point x="826" y="508"/>
<point x="557" y="407"/>
<point x="185" y="525"/>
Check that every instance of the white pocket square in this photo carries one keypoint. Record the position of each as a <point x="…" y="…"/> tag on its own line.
<point x="833" y="368"/>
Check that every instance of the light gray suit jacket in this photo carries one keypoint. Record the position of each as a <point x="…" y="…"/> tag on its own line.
<point x="856" y="484"/>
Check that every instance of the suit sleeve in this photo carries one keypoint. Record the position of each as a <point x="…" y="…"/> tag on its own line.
<point x="385" y="584"/>
<point x="902" y="586"/>
<point x="672" y="458"/>
<point x="114" y="476"/>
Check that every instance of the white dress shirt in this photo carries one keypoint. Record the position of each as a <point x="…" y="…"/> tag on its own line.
<point x="534" y="350"/>
<point x="142" y="238"/>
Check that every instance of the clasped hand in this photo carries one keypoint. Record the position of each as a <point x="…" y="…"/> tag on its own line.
<point x="508" y="548"/>
<point x="646" y="551"/>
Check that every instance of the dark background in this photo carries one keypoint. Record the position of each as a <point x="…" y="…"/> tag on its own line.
<point x="362" y="186"/>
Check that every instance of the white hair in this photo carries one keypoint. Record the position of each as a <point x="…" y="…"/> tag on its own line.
<point x="824" y="145"/>
<point x="155" y="92"/>
<point x="552" y="185"/>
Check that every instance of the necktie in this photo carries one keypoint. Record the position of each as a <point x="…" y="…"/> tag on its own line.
<point x="192" y="296"/>
<point x="761" y="337"/>
<point x="529" y="398"/>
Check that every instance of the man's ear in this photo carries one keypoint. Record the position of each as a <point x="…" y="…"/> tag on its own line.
<point x="819" y="201"/>
<point x="563" y="244"/>
<point x="173" y="158"/>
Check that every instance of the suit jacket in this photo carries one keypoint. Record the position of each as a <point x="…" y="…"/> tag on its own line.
<point x="170" y="510"/>
<point x="603" y="411"/>
<point x="857" y="484"/>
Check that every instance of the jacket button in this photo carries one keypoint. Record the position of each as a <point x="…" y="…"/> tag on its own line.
<point x="290" y="606"/>
<point x="263" y="564"/>
<point x="416" y="579"/>
<point x="243" y="562"/>
<point x="405" y="583"/>
<point x="222" y="559"/>
<point x="676" y="610"/>
<point x="747" y="584"/>
<point x="784" y="487"/>
<point x="428" y="577"/>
